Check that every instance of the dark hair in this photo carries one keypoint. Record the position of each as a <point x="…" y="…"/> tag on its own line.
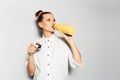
<point x="39" y="14"/>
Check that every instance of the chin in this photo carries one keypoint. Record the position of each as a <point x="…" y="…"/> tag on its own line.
<point x="52" y="30"/>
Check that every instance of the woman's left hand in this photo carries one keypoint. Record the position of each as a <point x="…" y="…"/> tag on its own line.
<point x="68" y="38"/>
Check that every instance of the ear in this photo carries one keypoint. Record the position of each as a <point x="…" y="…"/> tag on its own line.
<point x="40" y="25"/>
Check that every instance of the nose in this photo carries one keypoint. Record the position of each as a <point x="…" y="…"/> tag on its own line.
<point x="53" y="22"/>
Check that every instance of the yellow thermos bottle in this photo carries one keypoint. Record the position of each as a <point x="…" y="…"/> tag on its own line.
<point x="67" y="29"/>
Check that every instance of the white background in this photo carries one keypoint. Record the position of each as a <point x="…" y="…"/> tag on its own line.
<point x="97" y="36"/>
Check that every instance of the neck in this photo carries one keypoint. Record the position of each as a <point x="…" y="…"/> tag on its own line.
<point x="47" y="34"/>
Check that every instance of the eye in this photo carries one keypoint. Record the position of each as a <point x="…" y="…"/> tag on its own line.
<point x="54" y="20"/>
<point x="48" y="19"/>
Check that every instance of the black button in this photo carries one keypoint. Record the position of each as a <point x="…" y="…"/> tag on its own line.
<point x="48" y="74"/>
<point x="48" y="46"/>
<point x="48" y="64"/>
<point x="47" y="54"/>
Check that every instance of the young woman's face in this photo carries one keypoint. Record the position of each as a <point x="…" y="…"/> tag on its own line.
<point x="47" y="23"/>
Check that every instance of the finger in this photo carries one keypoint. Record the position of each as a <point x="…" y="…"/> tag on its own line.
<point x="32" y="49"/>
<point x="38" y="45"/>
<point x="34" y="45"/>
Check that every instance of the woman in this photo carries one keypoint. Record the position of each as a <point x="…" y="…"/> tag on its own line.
<point x="56" y="54"/>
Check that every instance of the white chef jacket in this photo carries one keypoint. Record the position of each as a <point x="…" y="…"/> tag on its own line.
<point x="53" y="59"/>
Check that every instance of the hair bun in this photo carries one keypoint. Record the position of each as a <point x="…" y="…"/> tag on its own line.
<point x="37" y="14"/>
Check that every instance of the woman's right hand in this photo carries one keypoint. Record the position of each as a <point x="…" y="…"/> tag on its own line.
<point x="32" y="48"/>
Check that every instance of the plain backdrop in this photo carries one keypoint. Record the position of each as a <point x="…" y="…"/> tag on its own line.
<point x="97" y="24"/>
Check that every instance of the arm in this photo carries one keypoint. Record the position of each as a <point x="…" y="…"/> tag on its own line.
<point x="31" y="66"/>
<point x="75" y="52"/>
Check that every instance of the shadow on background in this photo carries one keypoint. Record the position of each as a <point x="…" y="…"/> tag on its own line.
<point x="40" y="32"/>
